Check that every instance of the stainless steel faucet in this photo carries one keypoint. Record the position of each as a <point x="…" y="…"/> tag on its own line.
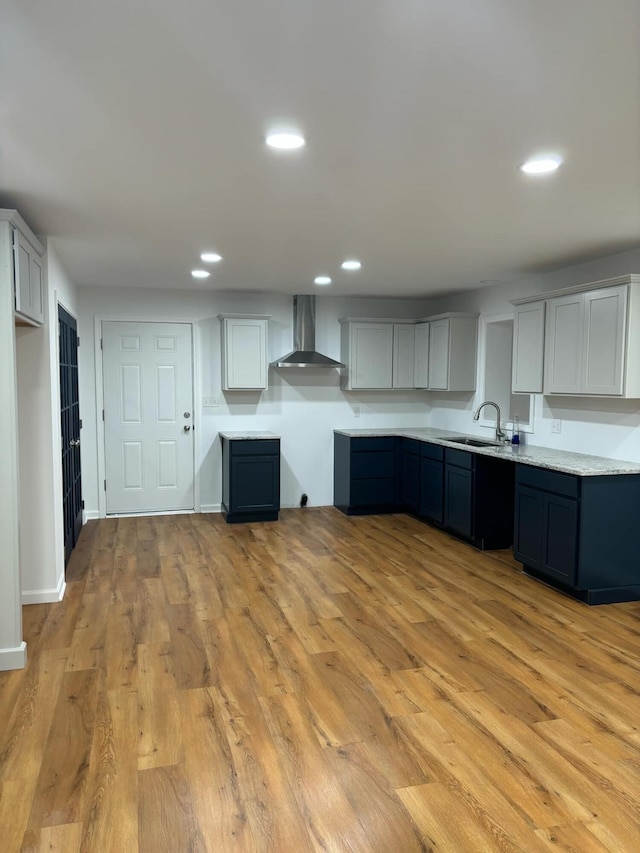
<point x="500" y="435"/>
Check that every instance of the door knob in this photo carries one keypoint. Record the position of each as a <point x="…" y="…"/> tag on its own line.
<point x="186" y="427"/>
<point x="74" y="442"/>
<point x="187" y="414"/>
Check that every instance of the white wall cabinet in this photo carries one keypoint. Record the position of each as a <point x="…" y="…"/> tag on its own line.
<point x="379" y="354"/>
<point x="244" y="351"/>
<point x="528" y="348"/>
<point x="591" y="340"/>
<point x="28" y="280"/>
<point x="453" y="347"/>
<point x="421" y="360"/>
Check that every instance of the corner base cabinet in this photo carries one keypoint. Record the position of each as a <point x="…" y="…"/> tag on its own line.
<point x="579" y="534"/>
<point x="250" y="479"/>
<point x="364" y="474"/>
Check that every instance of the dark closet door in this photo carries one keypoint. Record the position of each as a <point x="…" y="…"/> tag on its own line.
<point x="70" y="424"/>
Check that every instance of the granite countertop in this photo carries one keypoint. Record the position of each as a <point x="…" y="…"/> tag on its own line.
<point x="248" y="435"/>
<point x="580" y="464"/>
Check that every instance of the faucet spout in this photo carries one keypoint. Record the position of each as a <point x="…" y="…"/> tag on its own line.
<point x="500" y="435"/>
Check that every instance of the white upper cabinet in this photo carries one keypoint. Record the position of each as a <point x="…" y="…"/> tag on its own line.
<point x="28" y="280"/>
<point x="591" y="340"/>
<point x="586" y="343"/>
<point x="244" y="351"/>
<point x="453" y="345"/>
<point x="403" y="354"/>
<point x="379" y="354"/>
<point x="421" y="363"/>
<point x="528" y="348"/>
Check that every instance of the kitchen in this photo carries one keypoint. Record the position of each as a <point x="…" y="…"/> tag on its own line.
<point x="153" y="153"/>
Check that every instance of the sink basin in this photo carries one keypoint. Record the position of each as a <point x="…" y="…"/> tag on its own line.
<point x="470" y="442"/>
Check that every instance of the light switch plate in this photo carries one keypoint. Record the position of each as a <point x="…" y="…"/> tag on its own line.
<point x="556" y="426"/>
<point x="210" y="402"/>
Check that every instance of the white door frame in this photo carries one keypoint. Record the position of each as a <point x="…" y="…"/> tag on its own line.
<point x="98" y="320"/>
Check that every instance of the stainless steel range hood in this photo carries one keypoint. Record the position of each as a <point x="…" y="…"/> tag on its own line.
<point x="304" y="340"/>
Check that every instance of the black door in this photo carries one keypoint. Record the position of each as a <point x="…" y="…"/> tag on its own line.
<point x="70" y="424"/>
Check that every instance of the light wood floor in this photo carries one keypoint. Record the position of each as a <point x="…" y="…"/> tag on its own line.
<point x="317" y="684"/>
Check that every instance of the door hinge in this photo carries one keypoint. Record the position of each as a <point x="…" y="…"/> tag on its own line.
<point x="80" y="427"/>
<point x="100" y="343"/>
<point x="103" y="414"/>
<point x="82" y="507"/>
<point x="77" y="342"/>
<point x="105" y="485"/>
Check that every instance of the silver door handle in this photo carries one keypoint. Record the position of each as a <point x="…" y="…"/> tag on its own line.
<point x="186" y="428"/>
<point x="74" y="443"/>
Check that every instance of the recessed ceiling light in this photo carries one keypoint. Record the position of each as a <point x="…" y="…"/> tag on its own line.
<point x="541" y="165"/>
<point x="200" y="273"/>
<point x="210" y="257"/>
<point x="322" y="279"/>
<point x="287" y="140"/>
<point x="351" y="265"/>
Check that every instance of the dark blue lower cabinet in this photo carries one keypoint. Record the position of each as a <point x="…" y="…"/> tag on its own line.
<point x="410" y="475"/>
<point x="250" y="479"/>
<point x="365" y="478"/>
<point x="546" y="533"/>
<point x="432" y="490"/>
<point x="458" y="500"/>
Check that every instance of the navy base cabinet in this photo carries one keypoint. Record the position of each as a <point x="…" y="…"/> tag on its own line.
<point x="250" y="479"/>
<point x="364" y="474"/>
<point x="579" y="534"/>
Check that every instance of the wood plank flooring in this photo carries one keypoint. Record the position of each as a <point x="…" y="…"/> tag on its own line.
<point x="322" y="683"/>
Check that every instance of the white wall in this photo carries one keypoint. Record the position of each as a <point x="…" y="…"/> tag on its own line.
<point x="303" y="405"/>
<point x="600" y="427"/>
<point x="38" y="386"/>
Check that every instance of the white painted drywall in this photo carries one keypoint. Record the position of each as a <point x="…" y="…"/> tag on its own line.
<point x="38" y="394"/>
<point x="303" y="405"/>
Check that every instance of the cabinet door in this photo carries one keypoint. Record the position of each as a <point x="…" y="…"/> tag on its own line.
<point x="458" y="499"/>
<point x="432" y="489"/>
<point x="421" y="367"/>
<point x="410" y="481"/>
<point x="605" y="314"/>
<point x="439" y="355"/>
<point x="403" y="355"/>
<point x="528" y="526"/>
<point x="528" y="348"/>
<point x="255" y="483"/>
<point x="564" y="344"/>
<point x="244" y="354"/>
<point x="22" y="267"/>
<point x="560" y="538"/>
<point x="36" y="296"/>
<point x="371" y="355"/>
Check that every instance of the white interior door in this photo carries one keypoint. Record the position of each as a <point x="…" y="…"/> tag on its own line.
<point x="148" y="416"/>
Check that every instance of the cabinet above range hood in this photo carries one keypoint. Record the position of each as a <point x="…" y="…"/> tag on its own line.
<point x="304" y="338"/>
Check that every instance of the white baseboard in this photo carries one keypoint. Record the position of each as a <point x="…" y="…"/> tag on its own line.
<point x="210" y="507"/>
<point x="90" y="515"/>
<point x="45" y="596"/>
<point x="13" y="658"/>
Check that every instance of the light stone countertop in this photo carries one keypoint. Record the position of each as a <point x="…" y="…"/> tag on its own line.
<point x="580" y="464"/>
<point x="248" y="435"/>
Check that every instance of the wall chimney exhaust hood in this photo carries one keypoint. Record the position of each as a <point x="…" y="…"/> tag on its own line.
<point x="304" y="340"/>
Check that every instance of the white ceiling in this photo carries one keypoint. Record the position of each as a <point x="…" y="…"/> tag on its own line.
<point x="132" y="133"/>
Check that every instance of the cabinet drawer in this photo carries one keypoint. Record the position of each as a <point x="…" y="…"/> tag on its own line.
<point x="551" y="481"/>
<point x="375" y="443"/>
<point x="459" y="458"/>
<point x="255" y="447"/>
<point x="411" y="445"/>
<point x="373" y="465"/>
<point x="432" y="451"/>
<point x="378" y="492"/>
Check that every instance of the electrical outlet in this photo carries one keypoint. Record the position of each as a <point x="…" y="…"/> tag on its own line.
<point x="556" y="426"/>
<point x="356" y="411"/>
<point x="210" y="402"/>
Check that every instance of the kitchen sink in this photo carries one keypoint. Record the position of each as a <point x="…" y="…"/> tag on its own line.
<point x="470" y="442"/>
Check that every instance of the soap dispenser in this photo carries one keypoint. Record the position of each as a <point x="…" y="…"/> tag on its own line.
<point x="515" y="435"/>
